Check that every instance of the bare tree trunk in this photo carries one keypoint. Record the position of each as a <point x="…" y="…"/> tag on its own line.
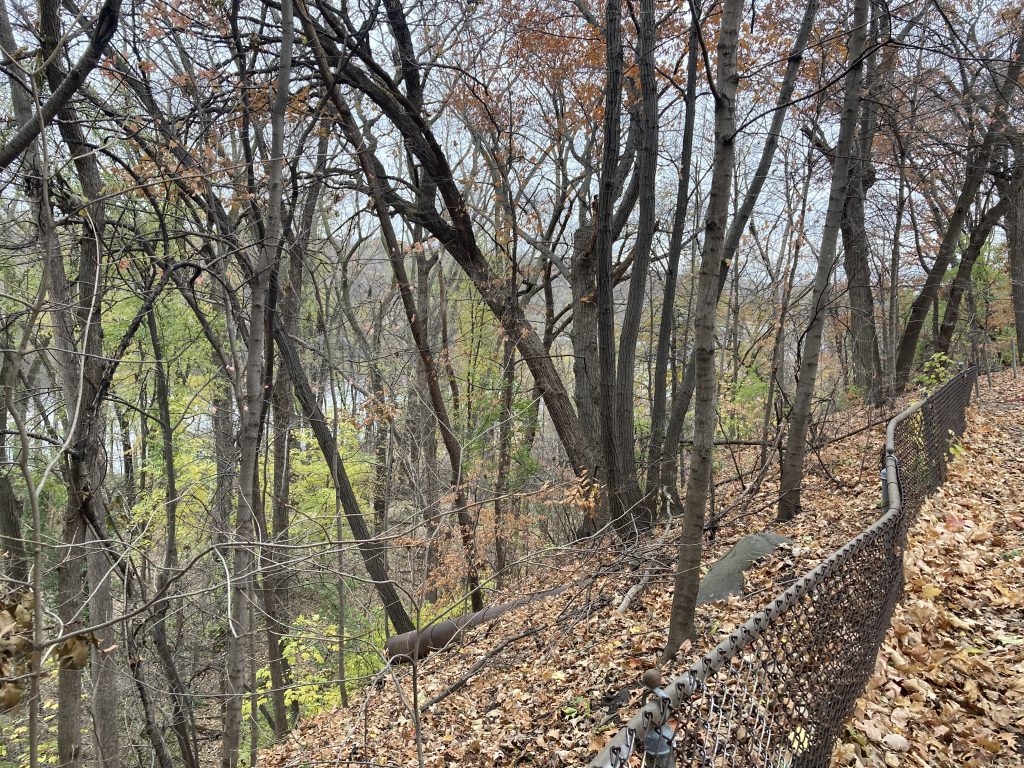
<point x="149" y="711"/>
<point x="182" y="718"/>
<point x="681" y="400"/>
<point x="977" y="168"/>
<point x="894" y="270"/>
<point x="251" y="406"/>
<point x="788" y="278"/>
<point x="661" y="456"/>
<point x="907" y="349"/>
<point x="501" y="484"/>
<point x="12" y="543"/>
<point x="619" y="505"/>
<point x="687" y="576"/>
<point x="630" y="499"/>
<point x="69" y="681"/>
<point x="87" y="465"/>
<point x="457" y="232"/>
<point x="867" y="364"/>
<point x="796" y="444"/>
<point x="587" y="377"/>
<point x="962" y="282"/>
<point x="369" y="548"/>
<point x="1014" y="222"/>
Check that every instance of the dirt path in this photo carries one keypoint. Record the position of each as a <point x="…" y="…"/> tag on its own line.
<point x="948" y="689"/>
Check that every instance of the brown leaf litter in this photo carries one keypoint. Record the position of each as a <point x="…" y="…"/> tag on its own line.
<point x="549" y="682"/>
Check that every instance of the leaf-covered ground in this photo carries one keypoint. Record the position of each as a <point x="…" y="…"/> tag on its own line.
<point x="548" y="683"/>
<point x="949" y="683"/>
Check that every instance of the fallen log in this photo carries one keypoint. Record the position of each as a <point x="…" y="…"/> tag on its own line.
<point x="419" y="643"/>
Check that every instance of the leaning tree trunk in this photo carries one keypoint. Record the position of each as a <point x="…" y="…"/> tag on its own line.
<point x="977" y="169"/>
<point x="370" y="549"/>
<point x="962" y="282"/>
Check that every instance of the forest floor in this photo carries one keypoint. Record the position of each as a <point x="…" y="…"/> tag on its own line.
<point x="548" y="683"/>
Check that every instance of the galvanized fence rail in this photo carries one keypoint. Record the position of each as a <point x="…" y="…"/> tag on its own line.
<point x="776" y="692"/>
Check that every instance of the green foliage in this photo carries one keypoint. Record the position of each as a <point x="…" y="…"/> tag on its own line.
<point x="936" y="371"/>
<point x="741" y="404"/>
<point x="14" y="741"/>
<point x="311" y="650"/>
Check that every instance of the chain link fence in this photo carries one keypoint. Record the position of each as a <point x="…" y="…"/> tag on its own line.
<point x="776" y="692"/>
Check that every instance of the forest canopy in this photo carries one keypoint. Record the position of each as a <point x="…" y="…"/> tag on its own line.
<point x="323" y="322"/>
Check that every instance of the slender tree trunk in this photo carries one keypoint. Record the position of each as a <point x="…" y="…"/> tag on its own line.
<point x="182" y="718"/>
<point x="661" y="461"/>
<point x="962" y="282"/>
<point x="906" y="352"/>
<point x="83" y="352"/>
<point x="894" y="271"/>
<point x="369" y="548"/>
<point x="251" y="406"/>
<point x="149" y="711"/>
<point x="1014" y="223"/>
<point x="687" y="576"/>
<point x="501" y="485"/>
<point x="69" y="681"/>
<point x="681" y="400"/>
<point x="796" y="444"/>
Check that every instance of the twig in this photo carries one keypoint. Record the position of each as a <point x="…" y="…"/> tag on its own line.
<point x="480" y="664"/>
<point x="637" y="588"/>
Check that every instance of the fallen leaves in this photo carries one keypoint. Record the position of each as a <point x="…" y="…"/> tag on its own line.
<point x="948" y="688"/>
<point x="949" y="683"/>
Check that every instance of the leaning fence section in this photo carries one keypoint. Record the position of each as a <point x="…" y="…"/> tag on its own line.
<point x="776" y="692"/>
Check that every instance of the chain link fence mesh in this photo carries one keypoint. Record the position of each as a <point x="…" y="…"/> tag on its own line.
<point x="776" y="692"/>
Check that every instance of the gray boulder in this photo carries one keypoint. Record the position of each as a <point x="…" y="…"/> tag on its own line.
<point x="726" y="575"/>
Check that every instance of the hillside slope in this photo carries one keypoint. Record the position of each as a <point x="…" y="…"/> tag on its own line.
<point x="548" y="683"/>
<point x="949" y="683"/>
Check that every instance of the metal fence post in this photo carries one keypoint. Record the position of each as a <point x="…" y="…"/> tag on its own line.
<point x="659" y="743"/>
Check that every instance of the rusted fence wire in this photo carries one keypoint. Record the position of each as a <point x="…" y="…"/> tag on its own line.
<point x="776" y="692"/>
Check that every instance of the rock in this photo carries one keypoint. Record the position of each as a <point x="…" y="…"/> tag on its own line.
<point x="726" y="576"/>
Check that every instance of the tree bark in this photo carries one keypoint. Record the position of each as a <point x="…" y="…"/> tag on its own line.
<point x="457" y="234"/>
<point x="796" y="444"/>
<point x="962" y="282"/>
<point x="681" y="400"/>
<point x="501" y="485"/>
<point x="1014" y="224"/>
<point x="977" y="167"/>
<point x="83" y="352"/>
<point x="662" y="467"/>
<point x="252" y="401"/>
<point x="370" y="549"/>
<point x="687" y="575"/>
